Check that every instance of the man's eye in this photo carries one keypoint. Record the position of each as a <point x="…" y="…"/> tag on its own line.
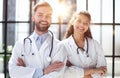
<point x="40" y="15"/>
<point x="48" y="15"/>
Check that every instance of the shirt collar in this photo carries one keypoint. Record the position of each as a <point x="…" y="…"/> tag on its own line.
<point x="43" y="36"/>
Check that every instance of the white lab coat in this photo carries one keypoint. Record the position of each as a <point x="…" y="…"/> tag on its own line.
<point x="39" y="59"/>
<point x="80" y="61"/>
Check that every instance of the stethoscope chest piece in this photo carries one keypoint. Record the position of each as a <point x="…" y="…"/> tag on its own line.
<point x="49" y="59"/>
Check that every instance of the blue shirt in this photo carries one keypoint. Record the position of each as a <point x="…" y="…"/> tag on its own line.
<point x="39" y="40"/>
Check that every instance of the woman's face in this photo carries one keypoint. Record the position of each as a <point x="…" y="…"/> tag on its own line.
<point x="81" y="24"/>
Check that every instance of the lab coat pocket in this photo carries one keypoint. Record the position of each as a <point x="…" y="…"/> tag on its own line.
<point x="31" y="60"/>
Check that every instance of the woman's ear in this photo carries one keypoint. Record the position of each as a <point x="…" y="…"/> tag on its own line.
<point x="33" y="18"/>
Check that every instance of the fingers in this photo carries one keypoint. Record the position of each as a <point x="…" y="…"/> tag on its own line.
<point x="20" y="62"/>
<point x="56" y="66"/>
<point x="57" y="62"/>
<point x="101" y="70"/>
<point x="53" y="67"/>
<point x="104" y="69"/>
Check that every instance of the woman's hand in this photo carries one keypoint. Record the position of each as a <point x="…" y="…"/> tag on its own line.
<point x="101" y="70"/>
<point x="104" y="69"/>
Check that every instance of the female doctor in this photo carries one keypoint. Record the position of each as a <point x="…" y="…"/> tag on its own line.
<point x="85" y="55"/>
<point x="31" y="56"/>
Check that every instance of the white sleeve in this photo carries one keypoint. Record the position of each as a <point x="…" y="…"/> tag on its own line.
<point x="19" y="71"/>
<point x="58" y="54"/>
<point x="101" y="61"/>
<point x="74" y="72"/>
<point x="67" y="72"/>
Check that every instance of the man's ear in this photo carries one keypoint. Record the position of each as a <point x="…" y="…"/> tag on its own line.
<point x="33" y="18"/>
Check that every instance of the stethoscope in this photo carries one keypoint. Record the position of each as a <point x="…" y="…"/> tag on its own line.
<point x="30" y="47"/>
<point x="82" y="49"/>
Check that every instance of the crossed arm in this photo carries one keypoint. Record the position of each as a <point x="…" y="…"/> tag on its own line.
<point x="87" y="72"/>
<point x="58" y="65"/>
<point x="53" y="67"/>
<point x="101" y="70"/>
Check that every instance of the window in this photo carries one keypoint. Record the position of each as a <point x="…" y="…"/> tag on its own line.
<point x="22" y="10"/>
<point x="14" y="16"/>
<point x="117" y="11"/>
<point x="1" y="9"/>
<point x="1" y="39"/>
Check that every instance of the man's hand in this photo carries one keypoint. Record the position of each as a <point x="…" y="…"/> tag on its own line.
<point x="20" y="62"/>
<point x="87" y="76"/>
<point x="53" y="67"/>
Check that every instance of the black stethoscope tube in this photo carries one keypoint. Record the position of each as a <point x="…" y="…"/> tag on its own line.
<point x="82" y="49"/>
<point x="51" y="44"/>
<point x="31" y="43"/>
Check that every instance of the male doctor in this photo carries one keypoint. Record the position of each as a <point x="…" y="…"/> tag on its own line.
<point x="30" y="56"/>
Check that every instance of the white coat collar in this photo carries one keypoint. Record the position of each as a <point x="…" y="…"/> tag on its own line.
<point x="46" y="41"/>
<point x="71" y="41"/>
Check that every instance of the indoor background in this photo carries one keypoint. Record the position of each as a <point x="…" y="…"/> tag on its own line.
<point x="15" y="23"/>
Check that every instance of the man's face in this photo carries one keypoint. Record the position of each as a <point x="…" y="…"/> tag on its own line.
<point x="42" y="18"/>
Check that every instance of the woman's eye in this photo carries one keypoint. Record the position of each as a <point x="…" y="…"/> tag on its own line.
<point x="86" y="23"/>
<point x="79" y="21"/>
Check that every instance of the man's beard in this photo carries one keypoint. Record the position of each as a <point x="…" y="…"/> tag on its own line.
<point x="44" y="28"/>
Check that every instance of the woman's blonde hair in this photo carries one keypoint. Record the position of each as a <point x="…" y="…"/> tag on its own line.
<point x="70" y="29"/>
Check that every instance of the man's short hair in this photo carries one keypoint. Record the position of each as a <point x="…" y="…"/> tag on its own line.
<point x="42" y="4"/>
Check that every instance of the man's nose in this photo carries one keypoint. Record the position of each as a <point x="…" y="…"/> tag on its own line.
<point x="45" y="17"/>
